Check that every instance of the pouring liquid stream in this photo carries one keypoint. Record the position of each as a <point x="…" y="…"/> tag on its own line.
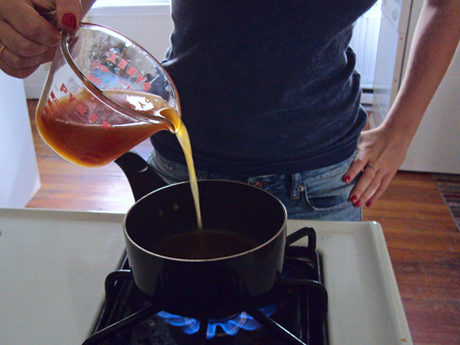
<point x="184" y="140"/>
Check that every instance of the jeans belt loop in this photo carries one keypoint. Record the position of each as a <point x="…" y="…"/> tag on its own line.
<point x="295" y="186"/>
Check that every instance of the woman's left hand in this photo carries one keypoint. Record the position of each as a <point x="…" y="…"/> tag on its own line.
<point x="380" y="153"/>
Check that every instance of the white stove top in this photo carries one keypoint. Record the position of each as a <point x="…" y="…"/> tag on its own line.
<point x="53" y="265"/>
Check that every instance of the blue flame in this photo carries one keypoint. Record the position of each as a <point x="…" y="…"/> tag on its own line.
<point x="230" y="326"/>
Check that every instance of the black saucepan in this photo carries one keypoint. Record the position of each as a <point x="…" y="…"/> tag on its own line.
<point x="251" y="225"/>
<point x="242" y="255"/>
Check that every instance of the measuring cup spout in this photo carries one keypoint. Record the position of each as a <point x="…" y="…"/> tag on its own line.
<point x="170" y="119"/>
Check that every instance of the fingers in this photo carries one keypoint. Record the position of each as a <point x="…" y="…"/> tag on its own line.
<point x="20" y="56"/>
<point x="368" y="184"/>
<point x="69" y="14"/>
<point x="25" y="46"/>
<point x="365" y="187"/>
<point x="26" y="22"/>
<point x="371" y="185"/>
<point x="379" y="192"/>
<point x="21" y="74"/>
<point x="21" y="67"/>
<point x="356" y="168"/>
<point x="27" y="38"/>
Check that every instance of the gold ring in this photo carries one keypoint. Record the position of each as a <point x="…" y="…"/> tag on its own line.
<point x="372" y="167"/>
<point x="1" y="51"/>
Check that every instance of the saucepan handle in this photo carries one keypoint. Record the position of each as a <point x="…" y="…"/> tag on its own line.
<point x="141" y="176"/>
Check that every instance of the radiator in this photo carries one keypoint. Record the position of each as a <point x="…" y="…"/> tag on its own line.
<point x="364" y="42"/>
<point x="149" y="26"/>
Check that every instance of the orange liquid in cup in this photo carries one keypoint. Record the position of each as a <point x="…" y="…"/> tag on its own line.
<point x="97" y="137"/>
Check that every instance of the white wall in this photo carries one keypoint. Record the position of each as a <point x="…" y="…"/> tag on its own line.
<point x="19" y="178"/>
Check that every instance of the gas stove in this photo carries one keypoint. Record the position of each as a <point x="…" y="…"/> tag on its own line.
<point x="54" y="265"/>
<point x="294" y="312"/>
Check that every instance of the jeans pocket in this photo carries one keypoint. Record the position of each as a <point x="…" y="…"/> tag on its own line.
<point x="329" y="200"/>
<point x="325" y="189"/>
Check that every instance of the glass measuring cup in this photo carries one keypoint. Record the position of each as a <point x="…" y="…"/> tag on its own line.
<point x="104" y="95"/>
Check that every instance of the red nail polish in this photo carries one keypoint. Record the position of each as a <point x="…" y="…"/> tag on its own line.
<point x="368" y="204"/>
<point x="69" y="20"/>
<point x="347" y="179"/>
<point x="358" y="204"/>
<point x="354" y="199"/>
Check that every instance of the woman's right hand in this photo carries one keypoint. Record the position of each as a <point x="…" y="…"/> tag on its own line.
<point x="27" y="38"/>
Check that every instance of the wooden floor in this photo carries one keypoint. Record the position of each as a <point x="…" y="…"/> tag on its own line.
<point x="422" y="238"/>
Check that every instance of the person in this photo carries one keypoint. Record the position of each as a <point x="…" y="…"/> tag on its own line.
<point x="269" y="93"/>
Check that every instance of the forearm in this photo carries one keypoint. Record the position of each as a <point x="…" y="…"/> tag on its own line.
<point x="435" y="41"/>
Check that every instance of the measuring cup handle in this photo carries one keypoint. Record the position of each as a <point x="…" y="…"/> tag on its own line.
<point x="141" y="176"/>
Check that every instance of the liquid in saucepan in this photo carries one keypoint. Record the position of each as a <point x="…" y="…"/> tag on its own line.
<point x="218" y="243"/>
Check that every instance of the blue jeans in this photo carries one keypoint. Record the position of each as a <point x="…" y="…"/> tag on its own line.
<point x="319" y="194"/>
